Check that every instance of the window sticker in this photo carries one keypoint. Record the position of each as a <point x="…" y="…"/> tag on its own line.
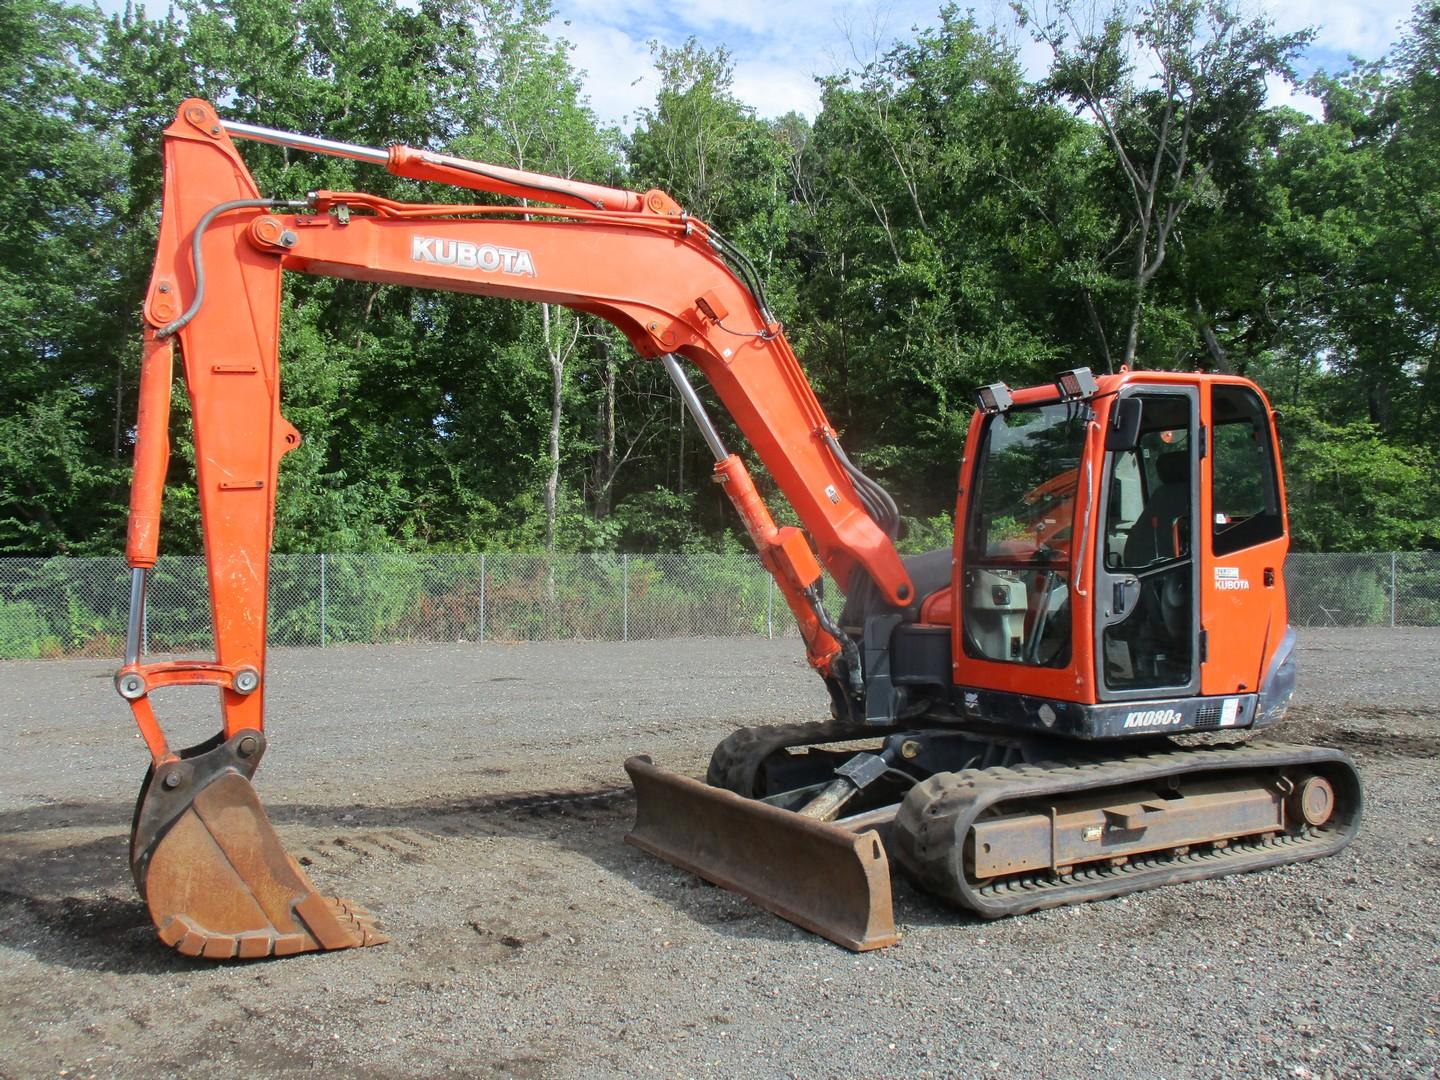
<point x="1228" y="579"/>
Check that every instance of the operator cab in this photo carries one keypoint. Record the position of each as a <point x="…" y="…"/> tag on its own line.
<point x="1117" y="568"/>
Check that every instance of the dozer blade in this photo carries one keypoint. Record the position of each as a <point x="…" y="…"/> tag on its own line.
<point x="823" y="877"/>
<point x="213" y="872"/>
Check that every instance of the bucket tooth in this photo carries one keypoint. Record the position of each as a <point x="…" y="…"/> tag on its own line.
<point x="216" y="879"/>
<point x="823" y="877"/>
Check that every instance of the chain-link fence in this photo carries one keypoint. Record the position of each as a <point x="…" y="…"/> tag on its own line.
<point x="1396" y="588"/>
<point x="78" y="607"/>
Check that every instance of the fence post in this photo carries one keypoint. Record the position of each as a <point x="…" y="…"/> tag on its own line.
<point x="624" y="597"/>
<point x="482" y="598"/>
<point x="769" y="607"/>
<point x="322" y="600"/>
<point x="1392" y="588"/>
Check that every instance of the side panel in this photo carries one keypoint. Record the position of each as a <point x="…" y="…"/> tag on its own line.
<point x="1242" y="583"/>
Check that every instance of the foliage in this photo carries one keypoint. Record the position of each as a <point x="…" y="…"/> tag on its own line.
<point x="23" y="635"/>
<point x="1351" y="490"/>
<point x="943" y="222"/>
<point x="1174" y="86"/>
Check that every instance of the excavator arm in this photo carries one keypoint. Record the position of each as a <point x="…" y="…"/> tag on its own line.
<point x="216" y="878"/>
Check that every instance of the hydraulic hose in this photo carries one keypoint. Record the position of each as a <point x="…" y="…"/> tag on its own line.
<point x="848" y="649"/>
<point x="198" y="263"/>
<point x="876" y="500"/>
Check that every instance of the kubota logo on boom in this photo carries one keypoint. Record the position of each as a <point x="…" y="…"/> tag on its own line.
<point x="469" y="256"/>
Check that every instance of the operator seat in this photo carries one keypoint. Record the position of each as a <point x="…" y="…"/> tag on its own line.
<point x="1159" y="627"/>
<point x="1153" y="536"/>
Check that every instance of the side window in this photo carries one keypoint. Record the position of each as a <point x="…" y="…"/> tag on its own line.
<point x="1245" y="499"/>
<point x="1149" y="517"/>
<point x="1127" y="500"/>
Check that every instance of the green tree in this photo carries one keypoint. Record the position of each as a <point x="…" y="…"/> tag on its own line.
<point x="945" y="221"/>
<point x="708" y="150"/>
<point x="62" y="288"/>
<point x="1351" y="489"/>
<point x="540" y="120"/>
<point x="1170" y="133"/>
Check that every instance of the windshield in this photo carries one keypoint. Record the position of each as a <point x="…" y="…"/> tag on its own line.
<point x="1016" y="604"/>
<point x="1027" y="478"/>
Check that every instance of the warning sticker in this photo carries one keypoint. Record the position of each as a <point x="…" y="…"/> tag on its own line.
<point x="1230" y="712"/>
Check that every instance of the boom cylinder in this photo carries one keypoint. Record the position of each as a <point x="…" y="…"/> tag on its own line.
<point x="695" y="406"/>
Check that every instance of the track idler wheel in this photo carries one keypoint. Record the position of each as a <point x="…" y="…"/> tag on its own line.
<point x="213" y="872"/>
<point x="1313" y="800"/>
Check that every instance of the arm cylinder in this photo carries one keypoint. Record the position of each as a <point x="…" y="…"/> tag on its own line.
<point x="255" y="133"/>
<point x="461" y="172"/>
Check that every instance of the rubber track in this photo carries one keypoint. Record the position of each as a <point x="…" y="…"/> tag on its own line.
<point x="929" y="833"/>
<point x="735" y="763"/>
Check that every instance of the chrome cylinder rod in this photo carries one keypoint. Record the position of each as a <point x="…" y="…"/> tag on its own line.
<point x="256" y="133"/>
<point x="133" y="629"/>
<point x="695" y="406"/>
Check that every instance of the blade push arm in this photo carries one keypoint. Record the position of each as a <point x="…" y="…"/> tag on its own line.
<point x="656" y="275"/>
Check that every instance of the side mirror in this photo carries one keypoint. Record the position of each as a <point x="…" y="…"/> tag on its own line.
<point x="1124" y="430"/>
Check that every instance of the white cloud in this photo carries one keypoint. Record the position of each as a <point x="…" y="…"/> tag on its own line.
<point x="779" y="46"/>
<point x="1279" y="92"/>
<point x="619" y="78"/>
<point x="1364" y="29"/>
<point x="776" y="91"/>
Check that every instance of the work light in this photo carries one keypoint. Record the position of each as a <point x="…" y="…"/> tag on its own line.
<point x="994" y="398"/>
<point x="1076" y="383"/>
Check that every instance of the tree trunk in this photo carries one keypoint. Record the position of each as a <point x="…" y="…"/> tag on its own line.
<point x="680" y="458"/>
<point x="556" y="356"/>
<point x="119" y="403"/>
<point x="1099" y="329"/>
<point x="1212" y="343"/>
<point x="1132" y="336"/>
<point x="604" y="482"/>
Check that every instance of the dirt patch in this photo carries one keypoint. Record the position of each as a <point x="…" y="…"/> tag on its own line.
<point x="473" y="797"/>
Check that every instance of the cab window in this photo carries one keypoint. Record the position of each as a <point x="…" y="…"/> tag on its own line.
<point x="1244" y="495"/>
<point x="1016" y="605"/>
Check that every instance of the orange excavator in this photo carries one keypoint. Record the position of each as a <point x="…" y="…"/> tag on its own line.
<point x="1054" y="709"/>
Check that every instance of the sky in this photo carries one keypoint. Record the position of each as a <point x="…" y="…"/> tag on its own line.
<point x="780" y="47"/>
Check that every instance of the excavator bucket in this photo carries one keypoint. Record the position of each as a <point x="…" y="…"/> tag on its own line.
<point x="826" y="878"/>
<point x="213" y="872"/>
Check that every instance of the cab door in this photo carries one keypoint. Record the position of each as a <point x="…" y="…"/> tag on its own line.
<point x="1147" y="624"/>
<point x="1245" y="540"/>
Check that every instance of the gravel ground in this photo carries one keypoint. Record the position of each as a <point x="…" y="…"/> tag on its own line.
<point x="473" y="798"/>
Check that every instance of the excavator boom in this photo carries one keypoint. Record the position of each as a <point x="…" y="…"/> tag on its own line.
<point x="212" y="869"/>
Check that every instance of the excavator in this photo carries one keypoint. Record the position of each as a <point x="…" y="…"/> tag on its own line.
<point x="1056" y="708"/>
